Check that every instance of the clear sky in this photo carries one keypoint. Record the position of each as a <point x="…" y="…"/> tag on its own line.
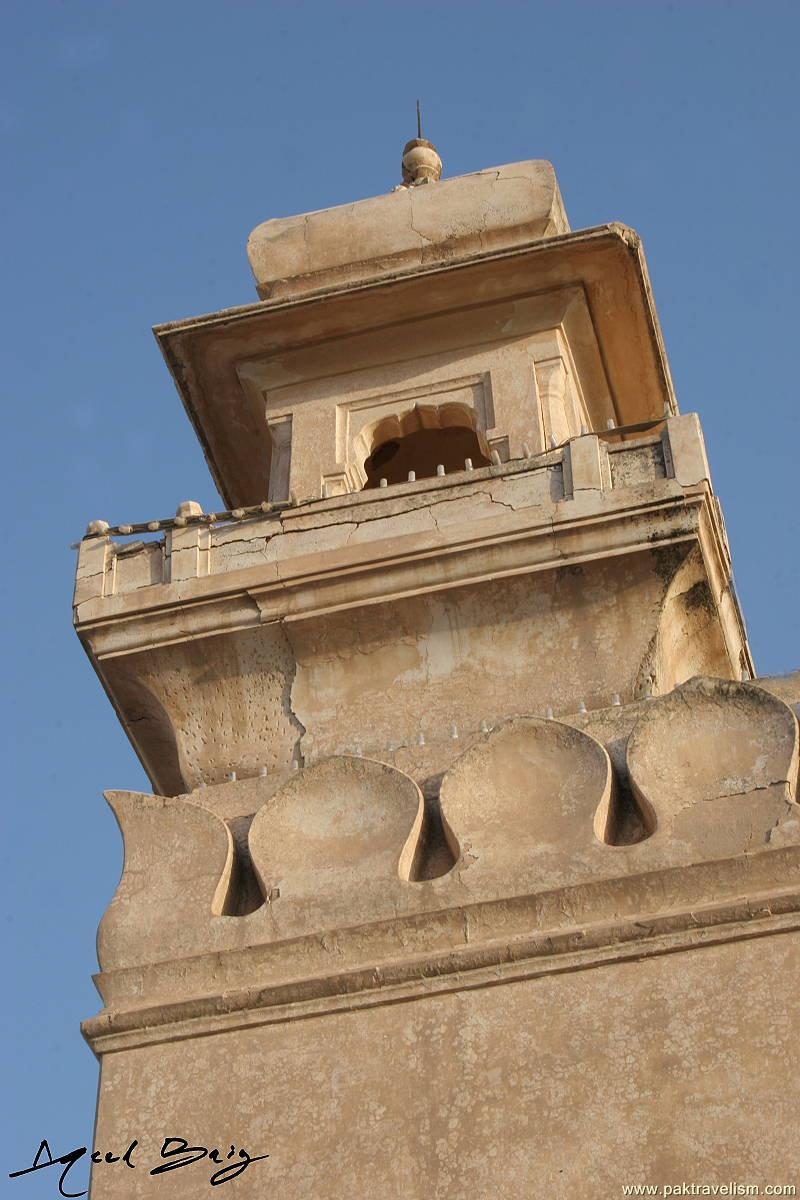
<point x="141" y="143"/>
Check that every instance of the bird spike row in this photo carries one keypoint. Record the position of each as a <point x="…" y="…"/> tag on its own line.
<point x="179" y="521"/>
<point x="266" y="507"/>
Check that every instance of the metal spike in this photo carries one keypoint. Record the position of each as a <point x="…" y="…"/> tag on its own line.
<point x="412" y="476"/>
<point x="467" y="464"/>
<point x="440" y="469"/>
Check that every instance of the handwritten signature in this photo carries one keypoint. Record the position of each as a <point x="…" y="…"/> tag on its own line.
<point x="175" y="1151"/>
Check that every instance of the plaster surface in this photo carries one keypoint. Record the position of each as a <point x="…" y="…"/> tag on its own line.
<point x="680" y="1067"/>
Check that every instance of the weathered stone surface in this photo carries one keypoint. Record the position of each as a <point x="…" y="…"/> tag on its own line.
<point x="531" y="816"/>
<point x="652" y="1070"/>
<point x="530" y="343"/>
<point x="493" y="209"/>
<point x="520" y="805"/>
<point x="398" y="928"/>
<point x="337" y="844"/>
<point x="716" y="763"/>
<point x="178" y="866"/>
<point x="307" y="627"/>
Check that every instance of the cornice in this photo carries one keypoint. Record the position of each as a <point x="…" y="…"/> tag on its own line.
<point x="387" y="569"/>
<point x="476" y="946"/>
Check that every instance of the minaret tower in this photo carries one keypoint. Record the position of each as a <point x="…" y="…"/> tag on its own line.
<point x="471" y="863"/>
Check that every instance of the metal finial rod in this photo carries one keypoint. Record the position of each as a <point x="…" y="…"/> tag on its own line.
<point x="419" y="121"/>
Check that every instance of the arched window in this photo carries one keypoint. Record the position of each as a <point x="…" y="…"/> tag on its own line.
<point x="420" y="441"/>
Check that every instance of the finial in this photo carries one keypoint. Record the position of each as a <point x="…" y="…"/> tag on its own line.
<point x="421" y="162"/>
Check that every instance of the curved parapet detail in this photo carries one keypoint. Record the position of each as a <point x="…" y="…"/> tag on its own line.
<point x="522" y="805"/>
<point x="715" y="762"/>
<point x="336" y="844"/>
<point x="177" y="875"/>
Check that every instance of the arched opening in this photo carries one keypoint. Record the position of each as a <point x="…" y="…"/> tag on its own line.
<point x="421" y="441"/>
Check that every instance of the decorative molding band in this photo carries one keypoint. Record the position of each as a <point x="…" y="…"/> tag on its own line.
<point x="488" y="964"/>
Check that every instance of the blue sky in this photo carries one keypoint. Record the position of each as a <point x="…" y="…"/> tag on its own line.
<point x="141" y="143"/>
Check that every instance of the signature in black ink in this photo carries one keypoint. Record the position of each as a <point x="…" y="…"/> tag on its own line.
<point x="175" y="1151"/>
<point x="179" y="1146"/>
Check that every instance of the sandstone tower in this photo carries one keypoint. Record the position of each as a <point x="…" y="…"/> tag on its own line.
<point x="471" y="865"/>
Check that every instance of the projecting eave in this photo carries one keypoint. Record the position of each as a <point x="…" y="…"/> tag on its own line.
<point x="204" y="353"/>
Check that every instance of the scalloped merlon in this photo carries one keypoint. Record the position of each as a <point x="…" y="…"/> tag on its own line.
<point x="715" y="762"/>
<point x="523" y="804"/>
<point x="337" y="843"/>
<point x="178" y="864"/>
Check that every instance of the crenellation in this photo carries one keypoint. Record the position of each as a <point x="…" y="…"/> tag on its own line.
<point x="500" y="845"/>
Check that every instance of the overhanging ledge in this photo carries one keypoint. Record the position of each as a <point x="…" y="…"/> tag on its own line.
<point x="607" y="262"/>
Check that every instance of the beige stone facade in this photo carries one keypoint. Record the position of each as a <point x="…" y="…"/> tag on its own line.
<point x="471" y="868"/>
